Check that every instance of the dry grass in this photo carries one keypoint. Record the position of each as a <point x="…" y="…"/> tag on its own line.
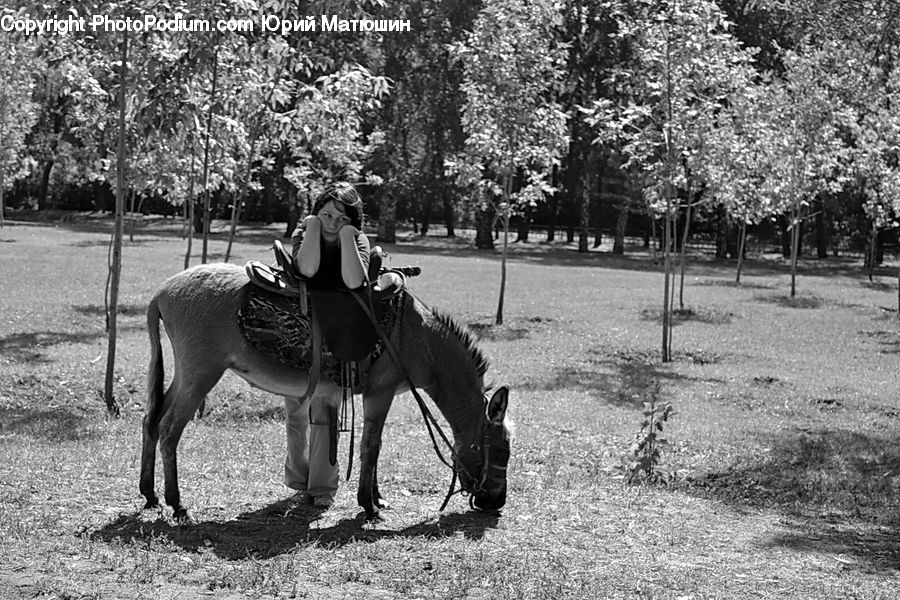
<point x="784" y="440"/>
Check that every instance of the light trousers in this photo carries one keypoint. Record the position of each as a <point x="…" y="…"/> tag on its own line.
<point x="307" y="466"/>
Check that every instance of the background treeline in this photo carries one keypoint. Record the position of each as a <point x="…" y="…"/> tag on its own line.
<point x="569" y="117"/>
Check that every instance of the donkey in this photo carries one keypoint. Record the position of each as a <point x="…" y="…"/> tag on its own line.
<point x="199" y="308"/>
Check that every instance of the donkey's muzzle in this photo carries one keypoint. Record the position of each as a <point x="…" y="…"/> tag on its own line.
<point x="490" y="501"/>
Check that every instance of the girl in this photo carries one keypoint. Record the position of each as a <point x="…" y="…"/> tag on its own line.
<point x="329" y="248"/>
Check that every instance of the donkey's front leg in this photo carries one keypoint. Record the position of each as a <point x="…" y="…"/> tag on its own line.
<point x="375" y="410"/>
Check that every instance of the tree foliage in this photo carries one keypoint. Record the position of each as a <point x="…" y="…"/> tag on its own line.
<point x="515" y="130"/>
<point x="18" y="113"/>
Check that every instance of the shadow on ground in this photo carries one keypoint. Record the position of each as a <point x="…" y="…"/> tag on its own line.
<point x="789" y="302"/>
<point x="626" y="377"/>
<point x="53" y="423"/>
<point x="743" y="285"/>
<point x="837" y="489"/>
<point x="511" y="330"/>
<point x="30" y="347"/>
<point x="96" y="310"/>
<point x="879" y="286"/>
<point x="888" y="341"/>
<point x="280" y="528"/>
<point x="680" y="316"/>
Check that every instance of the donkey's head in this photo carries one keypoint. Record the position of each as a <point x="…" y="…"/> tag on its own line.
<point x="481" y="464"/>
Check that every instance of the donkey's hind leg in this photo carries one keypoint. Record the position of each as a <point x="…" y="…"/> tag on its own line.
<point x="181" y="402"/>
<point x="148" y="460"/>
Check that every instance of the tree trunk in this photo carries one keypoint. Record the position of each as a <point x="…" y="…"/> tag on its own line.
<point x="667" y="269"/>
<point x="721" y="223"/>
<point x="741" y="246"/>
<point x="387" y="222"/>
<point x="795" y="249"/>
<point x="621" y="227"/>
<point x="189" y="208"/>
<point x="821" y="233"/>
<point x="293" y="215"/>
<point x="787" y="239"/>
<point x="449" y="212"/>
<point x="131" y="220"/>
<point x="684" y="239"/>
<point x="112" y="406"/>
<point x="185" y="224"/>
<point x="524" y="228"/>
<point x="879" y="248"/>
<point x="484" y="226"/>
<point x="425" y="221"/>
<point x="553" y="204"/>
<point x="597" y="212"/>
<point x="584" y="228"/>
<point x="209" y="122"/>
<point x="507" y="184"/>
<point x="667" y="251"/>
<point x="872" y="250"/>
<point x="238" y="202"/>
<point x="44" y="188"/>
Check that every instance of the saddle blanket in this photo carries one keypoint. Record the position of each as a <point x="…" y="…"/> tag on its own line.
<point x="276" y="326"/>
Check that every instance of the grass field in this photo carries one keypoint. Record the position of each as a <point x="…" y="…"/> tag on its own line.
<point x="784" y="444"/>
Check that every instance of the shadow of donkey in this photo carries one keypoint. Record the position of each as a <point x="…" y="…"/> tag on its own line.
<point x="279" y="528"/>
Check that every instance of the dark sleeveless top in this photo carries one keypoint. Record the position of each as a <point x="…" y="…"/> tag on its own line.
<point x="347" y="331"/>
<point x="329" y="272"/>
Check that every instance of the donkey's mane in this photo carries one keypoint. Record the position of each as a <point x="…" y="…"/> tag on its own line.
<point x="466" y="337"/>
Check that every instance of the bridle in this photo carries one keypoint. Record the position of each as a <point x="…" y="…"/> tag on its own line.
<point x="476" y="484"/>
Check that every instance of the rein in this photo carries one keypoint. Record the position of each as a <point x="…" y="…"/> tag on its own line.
<point x="431" y="423"/>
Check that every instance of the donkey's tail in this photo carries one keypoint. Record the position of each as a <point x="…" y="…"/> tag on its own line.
<point x="155" y="372"/>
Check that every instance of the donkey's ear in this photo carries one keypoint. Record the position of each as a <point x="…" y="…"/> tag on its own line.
<point x="496" y="409"/>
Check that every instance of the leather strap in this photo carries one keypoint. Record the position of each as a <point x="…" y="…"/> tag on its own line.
<point x="332" y="434"/>
<point x="316" y="369"/>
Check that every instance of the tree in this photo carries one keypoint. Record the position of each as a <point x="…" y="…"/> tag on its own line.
<point x="809" y="114"/>
<point x="326" y="135"/>
<point x="422" y="116"/>
<point x="687" y="69"/>
<point x="739" y="171"/>
<point x="589" y="32"/>
<point x="515" y="132"/>
<point x="18" y="113"/>
<point x="116" y="265"/>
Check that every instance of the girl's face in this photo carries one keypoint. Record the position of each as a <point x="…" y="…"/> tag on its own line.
<point x="333" y="218"/>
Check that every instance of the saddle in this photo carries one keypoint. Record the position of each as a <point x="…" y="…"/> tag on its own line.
<point x="345" y="328"/>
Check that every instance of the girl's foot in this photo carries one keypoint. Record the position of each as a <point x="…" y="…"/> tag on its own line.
<point x="323" y="501"/>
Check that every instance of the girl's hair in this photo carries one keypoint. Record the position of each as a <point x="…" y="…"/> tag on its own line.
<point x="346" y="198"/>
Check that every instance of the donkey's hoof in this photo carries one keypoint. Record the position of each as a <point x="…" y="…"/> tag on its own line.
<point x="151" y="503"/>
<point x="183" y="517"/>
<point x="373" y="516"/>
